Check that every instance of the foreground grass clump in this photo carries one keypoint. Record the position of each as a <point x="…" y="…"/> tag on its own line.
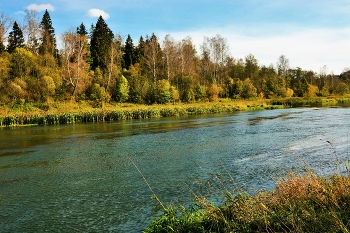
<point x="307" y="203"/>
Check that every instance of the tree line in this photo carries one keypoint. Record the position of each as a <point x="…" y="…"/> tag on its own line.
<point x="100" y="66"/>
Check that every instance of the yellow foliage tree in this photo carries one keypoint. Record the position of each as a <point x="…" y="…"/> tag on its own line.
<point x="311" y="90"/>
<point x="213" y="92"/>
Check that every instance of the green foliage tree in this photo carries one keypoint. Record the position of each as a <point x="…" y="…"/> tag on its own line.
<point x="199" y="93"/>
<point x="97" y="93"/>
<point x="22" y="64"/>
<point x="235" y="88"/>
<point x="298" y="82"/>
<point x="252" y="70"/>
<point x="163" y="91"/>
<point x="186" y="87"/>
<point x="237" y="70"/>
<point x="100" y="44"/>
<point x="15" y="39"/>
<point x="249" y="91"/>
<point x="342" y="88"/>
<point x="122" y="89"/>
<point x="136" y="83"/>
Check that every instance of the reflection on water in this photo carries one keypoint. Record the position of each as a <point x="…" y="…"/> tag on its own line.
<point x="81" y="178"/>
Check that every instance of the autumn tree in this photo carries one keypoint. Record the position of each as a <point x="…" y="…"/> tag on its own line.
<point x="82" y="56"/>
<point x="153" y="57"/>
<point x="15" y="39"/>
<point x="219" y="53"/>
<point x="249" y="90"/>
<point x="115" y="62"/>
<point x="22" y="63"/>
<point x="32" y="30"/>
<point x="136" y="83"/>
<point x="170" y="56"/>
<point x="68" y="51"/>
<point x="5" y="24"/>
<point x="283" y="66"/>
<point x="251" y="70"/>
<point x="205" y="64"/>
<point x="186" y="54"/>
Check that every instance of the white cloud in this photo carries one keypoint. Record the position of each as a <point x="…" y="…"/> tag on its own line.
<point x="97" y="13"/>
<point x="20" y="13"/>
<point x="41" y="7"/>
<point x="307" y="48"/>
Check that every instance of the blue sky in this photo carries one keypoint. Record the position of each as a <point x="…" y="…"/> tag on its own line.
<point x="309" y="33"/>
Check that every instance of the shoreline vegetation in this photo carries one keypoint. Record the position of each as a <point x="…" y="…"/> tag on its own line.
<point x="83" y="112"/>
<point x="305" y="203"/>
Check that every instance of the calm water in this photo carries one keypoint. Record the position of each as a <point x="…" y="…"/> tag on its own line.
<point x="80" y="178"/>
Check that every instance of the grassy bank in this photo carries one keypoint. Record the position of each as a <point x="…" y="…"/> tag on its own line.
<point x="66" y="113"/>
<point x="308" y="203"/>
<point x="310" y="102"/>
<point x="72" y="112"/>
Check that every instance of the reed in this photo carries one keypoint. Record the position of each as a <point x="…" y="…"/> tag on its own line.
<point x="71" y="114"/>
<point x="306" y="203"/>
<point x="310" y="102"/>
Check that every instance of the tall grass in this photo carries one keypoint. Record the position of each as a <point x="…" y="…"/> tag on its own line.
<point x="71" y="112"/>
<point x="312" y="101"/>
<point x="306" y="203"/>
<point x="77" y="115"/>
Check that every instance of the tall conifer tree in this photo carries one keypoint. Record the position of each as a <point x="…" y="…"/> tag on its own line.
<point x="100" y="44"/>
<point x="129" y="55"/>
<point x="15" y="39"/>
<point x="81" y="30"/>
<point x="48" y="40"/>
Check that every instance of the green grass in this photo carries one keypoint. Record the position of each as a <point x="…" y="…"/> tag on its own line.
<point x="306" y="203"/>
<point x="310" y="102"/>
<point x="73" y="112"/>
<point x="70" y="113"/>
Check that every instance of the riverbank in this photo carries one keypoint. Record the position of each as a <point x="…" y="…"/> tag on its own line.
<point x="72" y="112"/>
<point x="308" y="203"/>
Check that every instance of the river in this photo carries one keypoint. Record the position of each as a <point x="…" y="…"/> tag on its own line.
<point x="85" y="178"/>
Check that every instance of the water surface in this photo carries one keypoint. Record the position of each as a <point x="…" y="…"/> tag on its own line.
<point x="81" y="178"/>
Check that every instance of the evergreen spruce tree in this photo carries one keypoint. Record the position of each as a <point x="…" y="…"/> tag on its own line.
<point x="129" y="55"/>
<point x="81" y="30"/>
<point x="139" y="52"/>
<point x="15" y="39"/>
<point x="48" y="40"/>
<point x="100" y="44"/>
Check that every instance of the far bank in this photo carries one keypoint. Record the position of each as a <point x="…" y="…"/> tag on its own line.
<point x="77" y="112"/>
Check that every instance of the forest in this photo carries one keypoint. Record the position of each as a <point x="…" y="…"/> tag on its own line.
<point x="100" y="67"/>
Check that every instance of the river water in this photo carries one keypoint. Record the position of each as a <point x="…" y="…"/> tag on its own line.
<point x="85" y="178"/>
